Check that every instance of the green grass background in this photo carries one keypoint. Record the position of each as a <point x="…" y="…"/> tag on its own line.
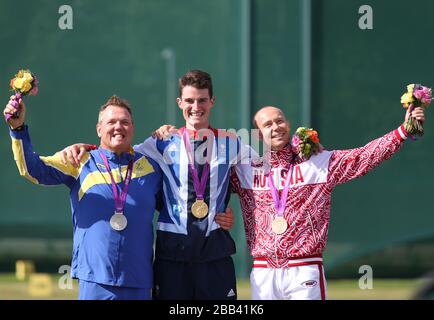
<point x="383" y="289"/>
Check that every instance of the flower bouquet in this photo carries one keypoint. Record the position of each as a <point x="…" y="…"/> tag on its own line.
<point x="24" y="82"/>
<point x="416" y="96"/>
<point x="305" y="142"/>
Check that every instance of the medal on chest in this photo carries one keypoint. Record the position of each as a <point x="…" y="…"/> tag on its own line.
<point x="199" y="208"/>
<point x="279" y="224"/>
<point x="119" y="221"/>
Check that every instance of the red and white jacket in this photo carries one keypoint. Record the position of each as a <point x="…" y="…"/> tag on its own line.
<point x="308" y="204"/>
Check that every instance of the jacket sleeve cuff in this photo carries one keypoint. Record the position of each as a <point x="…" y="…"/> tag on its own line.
<point x="19" y="134"/>
<point x="401" y="133"/>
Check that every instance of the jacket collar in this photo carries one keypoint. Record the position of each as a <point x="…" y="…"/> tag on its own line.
<point x="275" y="158"/>
<point x="195" y="134"/>
<point x="127" y="156"/>
<point x="282" y="157"/>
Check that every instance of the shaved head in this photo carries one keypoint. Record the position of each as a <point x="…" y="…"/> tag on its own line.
<point x="273" y="125"/>
<point x="265" y="109"/>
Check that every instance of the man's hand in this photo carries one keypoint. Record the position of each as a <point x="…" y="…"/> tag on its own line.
<point x="73" y="154"/>
<point x="417" y="113"/>
<point x="13" y="106"/>
<point x="164" y="132"/>
<point x="225" y="220"/>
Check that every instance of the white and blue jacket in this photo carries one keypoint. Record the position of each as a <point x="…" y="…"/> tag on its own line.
<point x="180" y="235"/>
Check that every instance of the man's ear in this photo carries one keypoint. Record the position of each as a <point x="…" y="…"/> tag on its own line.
<point x="213" y="99"/>
<point x="178" y="102"/>
<point x="98" y="130"/>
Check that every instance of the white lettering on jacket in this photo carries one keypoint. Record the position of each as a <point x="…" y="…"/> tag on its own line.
<point x="312" y="171"/>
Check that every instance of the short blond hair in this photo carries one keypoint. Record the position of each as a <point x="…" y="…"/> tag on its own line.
<point x="114" y="100"/>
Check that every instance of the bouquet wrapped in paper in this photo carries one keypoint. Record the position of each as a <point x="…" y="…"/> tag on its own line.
<point x="305" y="142"/>
<point x="416" y="96"/>
<point x="24" y="83"/>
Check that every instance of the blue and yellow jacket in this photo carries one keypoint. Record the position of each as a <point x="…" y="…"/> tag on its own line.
<point x="101" y="254"/>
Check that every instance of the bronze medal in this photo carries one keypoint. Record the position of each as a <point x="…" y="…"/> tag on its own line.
<point x="199" y="209"/>
<point x="279" y="225"/>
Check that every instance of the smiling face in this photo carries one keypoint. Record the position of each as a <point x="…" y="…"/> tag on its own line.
<point x="115" y="129"/>
<point x="273" y="126"/>
<point x="196" y="105"/>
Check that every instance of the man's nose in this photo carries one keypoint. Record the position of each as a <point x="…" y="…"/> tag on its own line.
<point x="274" y="126"/>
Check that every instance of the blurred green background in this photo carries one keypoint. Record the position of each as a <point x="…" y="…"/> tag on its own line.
<point x="309" y="58"/>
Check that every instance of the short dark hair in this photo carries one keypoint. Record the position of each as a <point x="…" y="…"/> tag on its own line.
<point x="197" y="79"/>
<point x="114" y="100"/>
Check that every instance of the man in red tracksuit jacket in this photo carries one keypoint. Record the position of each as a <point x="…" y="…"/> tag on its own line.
<point x="288" y="264"/>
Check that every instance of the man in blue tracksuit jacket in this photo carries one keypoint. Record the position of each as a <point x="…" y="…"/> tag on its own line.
<point x="112" y="258"/>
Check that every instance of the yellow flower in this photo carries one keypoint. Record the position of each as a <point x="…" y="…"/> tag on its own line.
<point x="410" y="88"/>
<point x="299" y="129"/>
<point x="27" y="84"/>
<point x="407" y="99"/>
<point x="23" y="81"/>
<point x="26" y="87"/>
<point x="28" y="76"/>
<point x="18" y="83"/>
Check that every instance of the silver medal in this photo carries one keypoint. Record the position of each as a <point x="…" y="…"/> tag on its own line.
<point x="118" y="221"/>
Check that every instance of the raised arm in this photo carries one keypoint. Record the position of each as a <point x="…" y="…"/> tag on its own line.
<point x="349" y="164"/>
<point x="39" y="170"/>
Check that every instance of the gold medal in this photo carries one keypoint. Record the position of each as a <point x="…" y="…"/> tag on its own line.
<point x="199" y="209"/>
<point x="279" y="225"/>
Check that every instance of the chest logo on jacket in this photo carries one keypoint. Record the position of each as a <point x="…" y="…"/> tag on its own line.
<point x="279" y="174"/>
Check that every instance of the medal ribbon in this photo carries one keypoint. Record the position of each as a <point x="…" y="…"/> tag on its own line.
<point x="199" y="185"/>
<point x="279" y="204"/>
<point x="119" y="201"/>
